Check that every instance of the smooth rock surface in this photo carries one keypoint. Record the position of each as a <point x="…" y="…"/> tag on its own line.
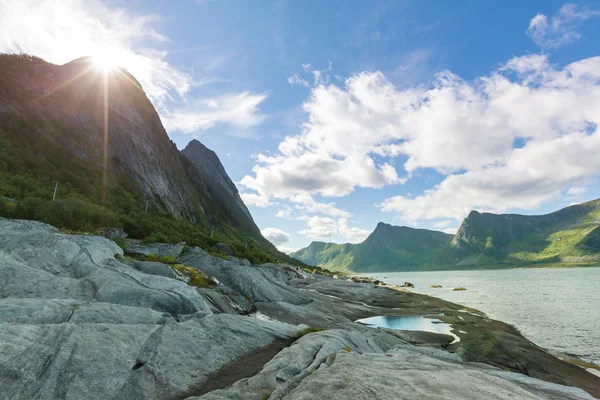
<point x="136" y="248"/>
<point x="77" y="323"/>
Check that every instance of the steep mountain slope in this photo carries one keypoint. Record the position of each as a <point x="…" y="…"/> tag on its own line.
<point x="388" y="248"/>
<point x="568" y="237"/>
<point x="99" y="137"/>
<point x="215" y="181"/>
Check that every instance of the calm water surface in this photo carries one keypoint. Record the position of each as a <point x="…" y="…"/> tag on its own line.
<point x="558" y="309"/>
<point x="418" y="323"/>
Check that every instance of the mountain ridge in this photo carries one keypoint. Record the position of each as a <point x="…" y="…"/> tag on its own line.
<point x="566" y="237"/>
<point x="100" y="138"/>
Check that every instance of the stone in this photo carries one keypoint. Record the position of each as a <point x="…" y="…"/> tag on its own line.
<point x="136" y="249"/>
<point x="222" y="248"/>
<point x="154" y="268"/>
<point x="112" y="233"/>
<point x="407" y="285"/>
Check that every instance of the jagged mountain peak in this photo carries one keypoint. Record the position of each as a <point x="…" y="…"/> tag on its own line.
<point x="58" y="113"/>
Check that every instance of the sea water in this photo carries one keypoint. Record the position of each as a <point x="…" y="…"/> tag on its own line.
<point x="556" y="308"/>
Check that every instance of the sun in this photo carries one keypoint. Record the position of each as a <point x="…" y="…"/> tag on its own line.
<point x="105" y="61"/>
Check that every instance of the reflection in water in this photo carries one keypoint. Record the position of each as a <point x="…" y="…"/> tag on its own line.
<point x="419" y="323"/>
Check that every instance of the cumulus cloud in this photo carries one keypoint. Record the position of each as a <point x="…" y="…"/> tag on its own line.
<point x="352" y="234"/>
<point x="275" y="236"/>
<point x="325" y="227"/>
<point x="576" y="194"/>
<point x="251" y="199"/>
<point x="320" y="227"/>
<point x="560" y="29"/>
<point x="307" y="204"/>
<point x="512" y="139"/>
<point x="239" y="110"/>
<point x="442" y="224"/>
<point x="62" y="30"/>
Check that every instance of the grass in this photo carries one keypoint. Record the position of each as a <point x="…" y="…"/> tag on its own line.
<point x="221" y="256"/>
<point x="196" y="277"/>
<point x="164" y="259"/>
<point x="308" y="330"/>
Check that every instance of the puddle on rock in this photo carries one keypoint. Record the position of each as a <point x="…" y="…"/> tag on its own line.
<point x="418" y="323"/>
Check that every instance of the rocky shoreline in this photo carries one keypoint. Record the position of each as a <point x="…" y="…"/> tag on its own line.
<point x="79" y="320"/>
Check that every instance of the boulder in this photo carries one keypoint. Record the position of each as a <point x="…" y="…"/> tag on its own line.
<point x="407" y="285"/>
<point x="222" y="248"/>
<point x="154" y="268"/>
<point x="136" y="249"/>
<point x="113" y="233"/>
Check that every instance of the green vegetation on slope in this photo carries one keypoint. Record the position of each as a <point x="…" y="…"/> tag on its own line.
<point x="41" y="144"/>
<point x="568" y="237"/>
<point x="388" y="248"/>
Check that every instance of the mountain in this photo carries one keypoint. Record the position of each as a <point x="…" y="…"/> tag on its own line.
<point x="388" y="248"/>
<point x="99" y="137"/>
<point x="568" y="237"/>
<point x="215" y="181"/>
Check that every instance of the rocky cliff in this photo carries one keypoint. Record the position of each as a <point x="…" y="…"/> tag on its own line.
<point x="99" y="137"/>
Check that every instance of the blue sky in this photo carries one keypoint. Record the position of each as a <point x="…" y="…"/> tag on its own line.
<point x="333" y="116"/>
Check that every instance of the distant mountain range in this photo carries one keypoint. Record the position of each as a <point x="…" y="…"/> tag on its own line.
<point x="568" y="237"/>
<point x="99" y="137"/>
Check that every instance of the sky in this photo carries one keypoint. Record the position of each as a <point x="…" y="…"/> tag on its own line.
<point x="333" y="116"/>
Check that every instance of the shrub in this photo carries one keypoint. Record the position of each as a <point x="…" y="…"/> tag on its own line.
<point x="121" y="242"/>
<point x="196" y="277"/>
<point x="168" y="259"/>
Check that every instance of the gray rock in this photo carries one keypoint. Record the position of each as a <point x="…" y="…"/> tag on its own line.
<point x="341" y="365"/>
<point x="264" y="283"/>
<point x="222" y="248"/>
<point x="406" y="374"/>
<point x="112" y="233"/>
<point x="154" y="268"/>
<point x="157" y="249"/>
<point x="77" y="323"/>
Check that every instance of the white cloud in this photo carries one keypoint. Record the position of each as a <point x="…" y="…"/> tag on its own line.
<point x="307" y="204"/>
<point x="251" y="199"/>
<point x="239" y="110"/>
<point x="275" y="236"/>
<point x="450" y="231"/>
<point x="561" y="28"/>
<point x="512" y="139"/>
<point x="320" y="227"/>
<point x="60" y="31"/>
<point x="352" y="234"/>
<point x="576" y="194"/>
<point x="325" y="227"/>
<point x="295" y="79"/>
<point x="442" y="224"/>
